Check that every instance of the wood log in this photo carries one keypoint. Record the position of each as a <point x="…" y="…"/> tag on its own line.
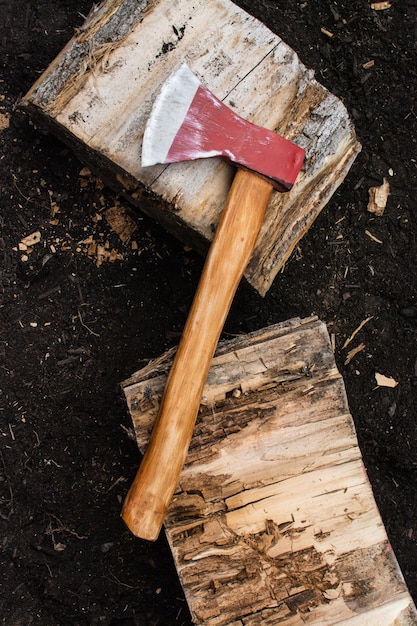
<point x="273" y="520"/>
<point x="98" y="93"/>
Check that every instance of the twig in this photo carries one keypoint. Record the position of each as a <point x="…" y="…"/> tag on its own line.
<point x="16" y="186"/>
<point x="352" y="353"/>
<point x="114" y="579"/>
<point x="85" y="325"/>
<point x="11" y="432"/>
<point x="61" y="528"/>
<point x="355" y="332"/>
<point x="121" y="479"/>
<point x="50" y="292"/>
<point x="37" y="439"/>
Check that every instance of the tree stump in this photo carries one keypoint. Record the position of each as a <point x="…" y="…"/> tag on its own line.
<point x="274" y="520"/>
<point x="98" y="93"/>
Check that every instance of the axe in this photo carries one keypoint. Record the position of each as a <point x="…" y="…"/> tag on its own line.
<point x="188" y="122"/>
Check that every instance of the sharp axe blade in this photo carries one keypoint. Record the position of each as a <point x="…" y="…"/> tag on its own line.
<point x="188" y="122"/>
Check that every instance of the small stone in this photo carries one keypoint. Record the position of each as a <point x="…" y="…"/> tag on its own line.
<point x="105" y="547"/>
<point x="392" y="409"/>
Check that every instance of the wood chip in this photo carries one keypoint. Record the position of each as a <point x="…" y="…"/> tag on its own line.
<point x="121" y="222"/>
<point x="31" y="239"/>
<point x="326" y="32"/>
<point x="368" y="64"/>
<point x="332" y="594"/>
<point x="4" y="121"/>
<point x="378" y="197"/>
<point x="380" y="6"/>
<point x="385" y="381"/>
<point x="352" y="353"/>
<point x="54" y="209"/>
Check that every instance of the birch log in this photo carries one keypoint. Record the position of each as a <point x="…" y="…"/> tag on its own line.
<point x="98" y="93"/>
<point x="274" y="520"/>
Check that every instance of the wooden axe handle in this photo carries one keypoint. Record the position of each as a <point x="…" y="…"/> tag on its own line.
<point x="151" y="492"/>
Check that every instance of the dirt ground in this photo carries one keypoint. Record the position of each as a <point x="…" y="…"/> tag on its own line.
<point x="72" y="329"/>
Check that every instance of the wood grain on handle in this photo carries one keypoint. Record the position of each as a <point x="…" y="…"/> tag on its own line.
<point x="151" y="492"/>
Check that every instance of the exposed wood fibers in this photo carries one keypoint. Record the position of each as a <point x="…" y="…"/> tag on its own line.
<point x="274" y="521"/>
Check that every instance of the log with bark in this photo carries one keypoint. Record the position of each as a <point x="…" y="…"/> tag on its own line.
<point x="98" y="93"/>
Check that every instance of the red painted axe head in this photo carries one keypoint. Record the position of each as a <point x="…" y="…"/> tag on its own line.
<point x="188" y="122"/>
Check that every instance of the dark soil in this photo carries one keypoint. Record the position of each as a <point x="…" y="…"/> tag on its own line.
<point x="71" y="331"/>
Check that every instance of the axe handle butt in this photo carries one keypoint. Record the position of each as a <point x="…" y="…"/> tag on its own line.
<point x="151" y="492"/>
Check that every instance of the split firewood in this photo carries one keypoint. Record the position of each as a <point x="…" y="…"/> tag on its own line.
<point x="273" y="508"/>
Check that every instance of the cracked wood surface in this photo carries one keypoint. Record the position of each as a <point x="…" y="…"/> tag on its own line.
<point x="274" y="520"/>
<point x="98" y="93"/>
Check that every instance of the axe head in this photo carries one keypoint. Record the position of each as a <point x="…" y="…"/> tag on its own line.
<point x="188" y="122"/>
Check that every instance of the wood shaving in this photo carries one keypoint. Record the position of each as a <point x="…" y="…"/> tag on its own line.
<point x="352" y="353"/>
<point x="355" y="332"/>
<point x="378" y="197"/>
